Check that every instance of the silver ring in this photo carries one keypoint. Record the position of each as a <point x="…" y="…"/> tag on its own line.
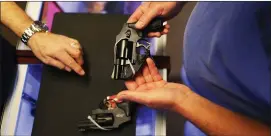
<point x="74" y="45"/>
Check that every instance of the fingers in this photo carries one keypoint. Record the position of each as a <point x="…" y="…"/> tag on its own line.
<point x="136" y="15"/>
<point x="159" y="34"/>
<point x="70" y="62"/>
<point x="154" y="34"/>
<point x="39" y="55"/>
<point x="76" y="54"/>
<point x="166" y="30"/>
<point x="147" y="75"/>
<point x="135" y="96"/>
<point x="131" y="85"/>
<point x="143" y="87"/>
<point x="153" y="70"/>
<point x="148" y="78"/>
<point x="80" y="60"/>
<point x="139" y="79"/>
<point x="144" y="14"/>
<point x="144" y="80"/>
<point x="51" y="61"/>
<point x="55" y="63"/>
<point x="68" y="68"/>
<point x="59" y="51"/>
<point x="138" y="83"/>
<point x="148" y="15"/>
<point x="75" y="51"/>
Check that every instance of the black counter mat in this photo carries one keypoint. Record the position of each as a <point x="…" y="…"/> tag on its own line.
<point x="65" y="98"/>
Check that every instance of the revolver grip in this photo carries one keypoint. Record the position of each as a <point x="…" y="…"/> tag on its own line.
<point x="156" y="25"/>
<point x="126" y="107"/>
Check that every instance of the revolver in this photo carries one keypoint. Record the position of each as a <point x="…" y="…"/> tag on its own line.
<point x="128" y="59"/>
<point x="110" y="115"/>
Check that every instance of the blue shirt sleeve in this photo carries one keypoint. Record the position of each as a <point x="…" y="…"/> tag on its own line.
<point x="226" y="57"/>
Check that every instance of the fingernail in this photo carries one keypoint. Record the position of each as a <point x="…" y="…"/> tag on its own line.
<point x="68" y="69"/>
<point x="82" y="72"/>
<point x="139" y="24"/>
<point x="121" y="96"/>
<point x="118" y="100"/>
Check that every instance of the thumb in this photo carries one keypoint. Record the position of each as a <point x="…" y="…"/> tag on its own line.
<point x="136" y="15"/>
<point x="135" y="96"/>
<point x="146" y="18"/>
<point x="138" y="12"/>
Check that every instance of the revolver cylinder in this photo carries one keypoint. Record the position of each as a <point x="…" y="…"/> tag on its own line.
<point x="123" y="60"/>
<point x="127" y="60"/>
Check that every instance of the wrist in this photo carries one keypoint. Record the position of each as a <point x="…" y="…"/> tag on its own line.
<point x="33" y="29"/>
<point x="184" y="97"/>
<point x="23" y="27"/>
<point x="33" y="39"/>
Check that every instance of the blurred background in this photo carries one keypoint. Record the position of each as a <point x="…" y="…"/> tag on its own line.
<point x="33" y="76"/>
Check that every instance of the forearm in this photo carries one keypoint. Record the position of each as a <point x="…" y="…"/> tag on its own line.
<point x="14" y="18"/>
<point x="177" y="9"/>
<point x="216" y="120"/>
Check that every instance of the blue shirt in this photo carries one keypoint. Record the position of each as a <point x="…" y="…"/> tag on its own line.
<point x="226" y="57"/>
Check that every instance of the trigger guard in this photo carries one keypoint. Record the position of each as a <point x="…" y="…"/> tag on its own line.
<point x="145" y="46"/>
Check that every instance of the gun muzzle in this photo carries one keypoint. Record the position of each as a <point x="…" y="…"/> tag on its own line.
<point x="118" y="73"/>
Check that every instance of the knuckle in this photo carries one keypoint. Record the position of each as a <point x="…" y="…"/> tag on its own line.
<point x="81" y="62"/>
<point x="158" y="10"/>
<point x="55" y="53"/>
<point x="77" y="68"/>
<point x="72" y="64"/>
<point x="59" y="49"/>
<point x="142" y="7"/>
<point x="61" y="67"/>
<point x="50" y="62"/>
<point x="45" y="61"/>
<point x="77" y="54"/>
<point x="45" y="52"/>
<point x="76" y="41"/>
<point x="52" y="52"/>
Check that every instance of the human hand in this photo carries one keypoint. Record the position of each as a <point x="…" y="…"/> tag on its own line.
<point x="58" y="50"/>
<point x="149" y="10"/>
<point x="151" y="90"/>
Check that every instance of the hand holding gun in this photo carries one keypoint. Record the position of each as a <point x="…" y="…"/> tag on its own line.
<point x="127" y="62"/>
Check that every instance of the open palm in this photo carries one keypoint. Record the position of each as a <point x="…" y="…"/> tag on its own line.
<point x="150" y="89"/>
